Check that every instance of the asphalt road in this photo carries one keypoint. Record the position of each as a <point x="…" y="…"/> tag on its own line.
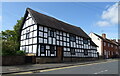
<point x="110" y="67"/>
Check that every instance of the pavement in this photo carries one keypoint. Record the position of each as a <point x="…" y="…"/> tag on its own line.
<point x="36" y="67"/>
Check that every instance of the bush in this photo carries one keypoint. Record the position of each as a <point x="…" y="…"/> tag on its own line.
<point x="8" y="53"/>
<point x="20" y="52"/>
<point x="13" y="53"/>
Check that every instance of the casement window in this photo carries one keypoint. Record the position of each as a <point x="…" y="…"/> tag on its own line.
<point x="85" y="52"/>
<point x="108" y="44"/>
<point x="111" y="45"/>
<point x="51" y="33"/>
<point x="104" y="43"/>
<point x="42" y="48"/>
<point x="52" y="50"/>
<point x="72" y="51"/>
<point x="85" y="41"/>
<point x="27" y="34"/>
<point x="72" y="38"/>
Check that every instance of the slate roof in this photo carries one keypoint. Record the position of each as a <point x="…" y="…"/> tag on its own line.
<point x="48" y="21"/>
<point x="106" y="40"/>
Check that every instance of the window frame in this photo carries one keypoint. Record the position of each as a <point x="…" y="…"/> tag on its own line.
<point x="51" y="49"/>
<point x="72" y="38"/>
<point x="41" y="49"/>
<point x="72" y="51"/>
<point x="85" y="52"/>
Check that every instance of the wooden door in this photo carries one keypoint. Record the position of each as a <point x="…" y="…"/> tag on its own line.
<point x="60" y="54"/>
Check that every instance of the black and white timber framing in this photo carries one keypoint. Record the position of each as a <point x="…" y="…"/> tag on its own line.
<point x="41" y="35"/>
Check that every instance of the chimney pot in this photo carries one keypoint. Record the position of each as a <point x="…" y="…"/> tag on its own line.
<point x="104" y="35"/>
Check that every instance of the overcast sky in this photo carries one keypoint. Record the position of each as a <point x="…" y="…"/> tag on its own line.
<point x="98" y="17"/>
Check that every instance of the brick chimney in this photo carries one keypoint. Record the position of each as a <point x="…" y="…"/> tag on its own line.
<point x="104" y="35"/>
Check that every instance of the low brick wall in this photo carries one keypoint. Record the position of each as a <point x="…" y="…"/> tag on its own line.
<point x="78" y="59"/>
<point x="46" y="60"/>
<point x="13" y="60"/>
<point x="55" y="59"/>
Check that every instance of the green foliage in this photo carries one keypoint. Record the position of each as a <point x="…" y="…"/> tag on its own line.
<point x="11" y="40"/>
<point x="20" y="52"/>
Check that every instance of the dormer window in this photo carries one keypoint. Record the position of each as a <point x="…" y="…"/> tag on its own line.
<point x="85" y="41"/>
<point x="52" y="33"/>
<point x="72" y="38"/>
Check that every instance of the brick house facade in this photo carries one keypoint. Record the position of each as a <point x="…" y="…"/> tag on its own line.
<point x="107" y="48"/>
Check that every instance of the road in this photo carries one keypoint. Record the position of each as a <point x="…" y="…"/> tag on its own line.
<point x="110" y="67"/>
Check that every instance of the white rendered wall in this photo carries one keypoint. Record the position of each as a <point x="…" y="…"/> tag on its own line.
<point x="29" y="45"/>
<point x="96" y="41"/>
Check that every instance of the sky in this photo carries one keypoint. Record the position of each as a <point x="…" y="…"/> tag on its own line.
<point x="97" y="17"/>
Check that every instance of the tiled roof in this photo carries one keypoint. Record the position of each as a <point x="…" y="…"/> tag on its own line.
<point x="106" y="40"/>
<point x="48" y="21"/>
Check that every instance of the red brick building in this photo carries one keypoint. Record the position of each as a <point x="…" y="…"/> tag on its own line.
<point x="107" y="48"/>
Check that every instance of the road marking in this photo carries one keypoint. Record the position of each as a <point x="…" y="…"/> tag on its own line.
<point x="73" y="66"/>
<point x="37" y="71"/>
<point x="13" y="69"/>
<point x="101" y="72"/>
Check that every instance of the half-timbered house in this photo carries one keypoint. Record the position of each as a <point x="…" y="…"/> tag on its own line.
<point x="51" y="40"/>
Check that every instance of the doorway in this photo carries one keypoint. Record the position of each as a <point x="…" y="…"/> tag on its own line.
<point x="60" y="54"/>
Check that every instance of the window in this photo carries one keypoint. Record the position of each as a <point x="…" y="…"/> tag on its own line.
<point x="43" y="49"/>
<point x="85" y="41"/>
<point x="27" y="34"/>
<point x="104" y="43"/>
<point x="52" y="49"/>
<point x="108" y="45"/>
<point x="85" y="52"/>
<point x="51" y="33"/>
<point x="72" y="38"/>
<point x="111" y="45"/>
<point x="72" y="51"/>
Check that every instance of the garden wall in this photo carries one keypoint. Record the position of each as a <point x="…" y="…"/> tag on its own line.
<point x="13" y="60"/>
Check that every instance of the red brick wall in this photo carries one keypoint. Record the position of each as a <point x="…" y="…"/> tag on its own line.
<point x="13" y="60"/>
<point x="110" y="49"/>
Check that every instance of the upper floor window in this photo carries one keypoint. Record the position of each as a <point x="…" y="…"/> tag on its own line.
<point x="108" y="44"/>
<point x="52" y="33"/>
<point x="111" y="45"/>
<point x="72" y="38"/>
<point x="104" y="43"/>
<point x="27" y="34"/>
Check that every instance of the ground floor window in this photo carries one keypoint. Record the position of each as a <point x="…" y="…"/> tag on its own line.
<point x="85" y="52"/>
<point x="43" y="49"/>
<point x="72" y="51"/>
<point x="46" y="50"/>
<point x="52" y="49"/>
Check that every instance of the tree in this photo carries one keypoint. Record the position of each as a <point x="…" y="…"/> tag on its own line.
<point x="11" y="39"/>
<point x="17" y="28"/>
<point x="17" y="31"/>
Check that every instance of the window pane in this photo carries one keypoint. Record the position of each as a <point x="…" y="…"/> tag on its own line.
<point x="42" y="49"/>
<point x="52" y="49"/>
